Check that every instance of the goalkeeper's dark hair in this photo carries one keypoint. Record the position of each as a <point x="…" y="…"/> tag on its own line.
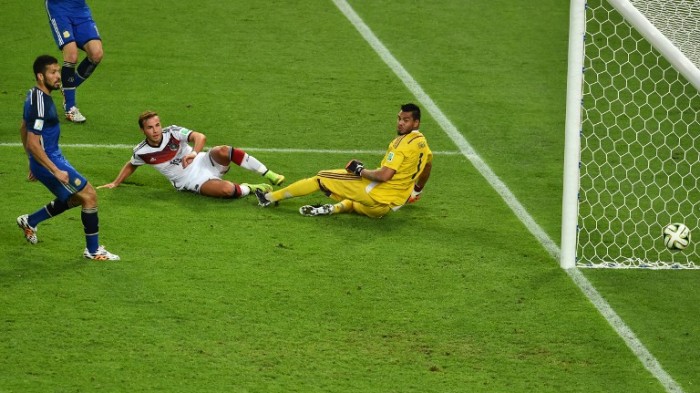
<point x="42" y="63"/>
<point x="413" y="108"/>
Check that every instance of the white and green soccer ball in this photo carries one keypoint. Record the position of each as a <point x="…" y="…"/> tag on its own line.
<point x="676" y="236"/>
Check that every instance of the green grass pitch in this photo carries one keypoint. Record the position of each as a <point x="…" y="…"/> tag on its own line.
<point x="452" y="294"/>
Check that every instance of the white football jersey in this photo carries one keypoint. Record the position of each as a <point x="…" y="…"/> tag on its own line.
<point x="166" y="158"/>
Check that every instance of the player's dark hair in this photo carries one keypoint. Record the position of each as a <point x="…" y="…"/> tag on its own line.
<point x="145" y="116"/>
<point x="42" y="62"/>
<point x="413" y="108"/>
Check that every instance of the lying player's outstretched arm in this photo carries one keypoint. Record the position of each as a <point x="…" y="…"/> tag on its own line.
<point x="127" y="170"/>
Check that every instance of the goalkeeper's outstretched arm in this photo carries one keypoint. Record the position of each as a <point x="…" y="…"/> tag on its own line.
<point x="420" y="183"/>
<point x="424" y="176"/>
<point x="379" y="175"/>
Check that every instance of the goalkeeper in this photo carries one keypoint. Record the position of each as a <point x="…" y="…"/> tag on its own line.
<point x="400" y="179"/>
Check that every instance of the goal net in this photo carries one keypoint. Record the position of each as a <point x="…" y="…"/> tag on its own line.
<point x="638" y="128"/>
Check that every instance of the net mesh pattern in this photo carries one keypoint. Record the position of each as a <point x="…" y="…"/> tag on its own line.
<point x="640" y="137"/>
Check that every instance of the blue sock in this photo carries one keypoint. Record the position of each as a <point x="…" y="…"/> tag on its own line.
<point x="91" y="226"/>
<point x="51" y="209"/>
<point x="69" y="96"/>
<point x="69" y="82"/>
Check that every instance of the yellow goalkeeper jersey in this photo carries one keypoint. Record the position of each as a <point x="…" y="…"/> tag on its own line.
<point x="407" y="155"/>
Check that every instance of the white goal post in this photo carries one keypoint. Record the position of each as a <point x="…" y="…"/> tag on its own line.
<point x="631" y="161"/>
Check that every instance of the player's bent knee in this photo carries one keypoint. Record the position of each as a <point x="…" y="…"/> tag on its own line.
<point x="220" y="189"/>
<point x="87" y="196"/>
<point x="96" y="59"/>
<point x="220" y="155"/>
<point x="94" y="51"/>
<point x="70" y="52"/>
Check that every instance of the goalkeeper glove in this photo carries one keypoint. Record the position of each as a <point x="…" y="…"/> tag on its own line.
<point x="415" y="194"/>
<point x="355" y="167"/>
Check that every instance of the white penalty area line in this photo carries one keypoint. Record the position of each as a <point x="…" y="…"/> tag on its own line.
<point x="252" y="149"/>
<point x="643" y="354"/>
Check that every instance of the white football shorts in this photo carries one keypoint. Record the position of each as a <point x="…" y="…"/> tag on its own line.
<point x="202" y="169"/>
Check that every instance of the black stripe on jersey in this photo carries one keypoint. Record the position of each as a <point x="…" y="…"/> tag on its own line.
<point x="398" y="140"/>
<point x="414" y="138"/>
<point x="140" y="145"/>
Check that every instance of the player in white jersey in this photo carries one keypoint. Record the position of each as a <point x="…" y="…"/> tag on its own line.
<point x="187" y="167"/>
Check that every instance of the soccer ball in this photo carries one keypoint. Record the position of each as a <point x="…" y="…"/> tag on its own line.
<point x="676" y="236"/>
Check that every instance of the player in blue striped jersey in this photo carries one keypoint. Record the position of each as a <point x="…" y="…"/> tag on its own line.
<point x="73" y="28"/>
<point x="40" y="133"/>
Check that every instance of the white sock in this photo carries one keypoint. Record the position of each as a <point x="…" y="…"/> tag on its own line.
<point x="252" y="164"/>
